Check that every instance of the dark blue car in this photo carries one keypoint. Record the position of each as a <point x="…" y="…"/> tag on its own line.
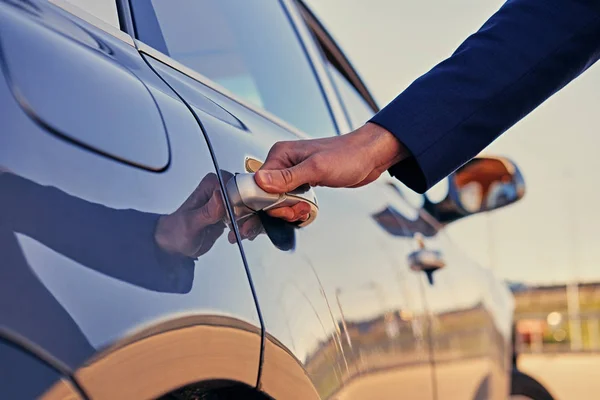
<point x="136" y="259"/>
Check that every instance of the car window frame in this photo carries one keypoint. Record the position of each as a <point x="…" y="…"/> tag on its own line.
<point x="333" y="54"/>
<point x="84" y="15"/>
<point x="76" y="9"/>
<point x="305" y="41"/>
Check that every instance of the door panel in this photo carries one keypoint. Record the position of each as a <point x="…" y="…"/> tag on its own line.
<point x="470" y="327"/>
<point x="471" y="310"/>
<point x="23" y="376"/>
<point x="83" y="273"/>
<point x="342" y="301"/>
<point x="50" y="87"/>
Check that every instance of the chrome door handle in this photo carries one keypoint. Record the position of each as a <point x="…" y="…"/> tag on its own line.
<point x="427" y="261"/>
<point x="247" y="198"/>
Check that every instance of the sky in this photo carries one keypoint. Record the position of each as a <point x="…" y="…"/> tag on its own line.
<point x="550" y="236"/>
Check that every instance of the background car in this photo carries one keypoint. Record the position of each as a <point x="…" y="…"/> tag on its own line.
<point x="124" y="124"/>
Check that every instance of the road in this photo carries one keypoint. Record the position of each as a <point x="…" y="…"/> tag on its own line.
<point x="567" y="376"/>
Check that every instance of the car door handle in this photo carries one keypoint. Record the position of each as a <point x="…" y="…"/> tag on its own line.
<point x="247" y="198"/>
<point x="426" y="260"/>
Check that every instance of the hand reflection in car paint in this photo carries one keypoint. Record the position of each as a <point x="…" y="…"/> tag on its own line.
<point x="111" y="241"/>
<point x="153" y="251"/>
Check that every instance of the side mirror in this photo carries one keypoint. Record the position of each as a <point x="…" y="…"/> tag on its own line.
<point x="482" y="184"/>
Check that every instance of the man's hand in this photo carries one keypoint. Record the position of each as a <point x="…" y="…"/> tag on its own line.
<point x="351" y="160"/>
<point x="196" y="225"/>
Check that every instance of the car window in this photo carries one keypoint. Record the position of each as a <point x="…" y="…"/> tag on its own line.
<point x="357" y="108"/>
<point x="106" y="10"/>
<point x="252" y="51"/>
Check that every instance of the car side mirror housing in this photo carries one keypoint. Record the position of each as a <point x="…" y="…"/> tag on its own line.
<point x="483" y="184"/>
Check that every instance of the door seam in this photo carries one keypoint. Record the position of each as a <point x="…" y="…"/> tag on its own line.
<point x="231" y="216"/>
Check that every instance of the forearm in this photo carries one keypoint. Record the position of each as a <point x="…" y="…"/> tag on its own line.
<point x="523" y="54"/>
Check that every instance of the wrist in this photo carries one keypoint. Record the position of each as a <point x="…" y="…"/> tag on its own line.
<point x="164" y="233"/>
<point x="382" y="147"/>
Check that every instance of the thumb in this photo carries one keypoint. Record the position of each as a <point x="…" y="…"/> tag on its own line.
<point x="283" y="180"/>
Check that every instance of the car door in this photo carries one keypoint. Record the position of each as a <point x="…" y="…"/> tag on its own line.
<point x="96" y="154"/>
<point x="24" y="376"/>
<point x="342" y="317"/>
<point x="471" y="330"/>
<point x="470" y="309"/>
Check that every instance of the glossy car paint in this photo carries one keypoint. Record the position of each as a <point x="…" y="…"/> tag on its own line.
<point x="44" y="381"/>
<point x="471" y="317"/>
<point x="83" y="280"/>
<point x="303" y="291"/>
<point x="483" y="303"/>
<point x="344" y="315"/>
<point x="470" y="309"/>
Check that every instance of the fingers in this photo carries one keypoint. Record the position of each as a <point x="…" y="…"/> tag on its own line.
<point x="211" y="234"/>
<point x="252" y="227"/>
<point x="298" y="212"/>
<point x="288" y="165"/>
<point x="279" y="156"/>
<point x="210" y="213"/>
<point x="249" y="229"/>
<point x="287" y="179"/>
<point x="231" y="237"/>
<point x="203" y="191"/>
<point x="226" y="175"/>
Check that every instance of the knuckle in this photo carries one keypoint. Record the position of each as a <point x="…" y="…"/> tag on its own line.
<point x="288" y="177"/>
<point x="208" y="180"/>
<point x="206" y="213"/>
<point x="279" y="147"/>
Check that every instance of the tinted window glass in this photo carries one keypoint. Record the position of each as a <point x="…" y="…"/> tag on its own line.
<point x="357" y="108"/>
<point x="252" y="51"/>
<point x="106" y="10"/>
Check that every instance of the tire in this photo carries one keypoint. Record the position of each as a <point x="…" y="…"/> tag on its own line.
<point x="525" y="387"/>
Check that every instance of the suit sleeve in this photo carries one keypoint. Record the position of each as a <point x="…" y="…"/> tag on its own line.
<point x="117" y="243"/>
<point x="521" y="56"/>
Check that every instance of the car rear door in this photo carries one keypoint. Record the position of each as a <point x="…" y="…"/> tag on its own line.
<point x="95" y="151"/>
<point x="342" y="318"/>
<point x="471" y="326"/>
<point x="470" y="309"/>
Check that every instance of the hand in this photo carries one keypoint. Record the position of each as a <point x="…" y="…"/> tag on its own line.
<point x="196" y="225"/>
<point x="351" y="160"/>
<point x="249" y="229"/>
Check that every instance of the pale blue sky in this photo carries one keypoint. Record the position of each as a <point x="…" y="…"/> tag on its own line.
<point x="549" y="236"/>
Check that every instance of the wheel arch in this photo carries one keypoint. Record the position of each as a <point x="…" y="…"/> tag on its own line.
<point x="173" y="355"/>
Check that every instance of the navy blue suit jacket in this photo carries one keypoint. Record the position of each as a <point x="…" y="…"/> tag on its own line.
<point x="522" y="55"/>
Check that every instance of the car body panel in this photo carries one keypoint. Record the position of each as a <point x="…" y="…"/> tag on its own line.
<point x="332" y="310"/>
<point x="24" y="376"/>
<point x="186" y="351"/>
<point x="463" y="333"/>
<point x="37" y="64"/>
<point x="77" y="237"/>
<point x="314" y="300"/>
<point x="470" y="309"/>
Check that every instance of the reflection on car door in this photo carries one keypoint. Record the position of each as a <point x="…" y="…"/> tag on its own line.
<point x="470" y="326"/>
<point x="468" y="314"/>
<point x="82" y="269"/>
<point x="337" y="304"/>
